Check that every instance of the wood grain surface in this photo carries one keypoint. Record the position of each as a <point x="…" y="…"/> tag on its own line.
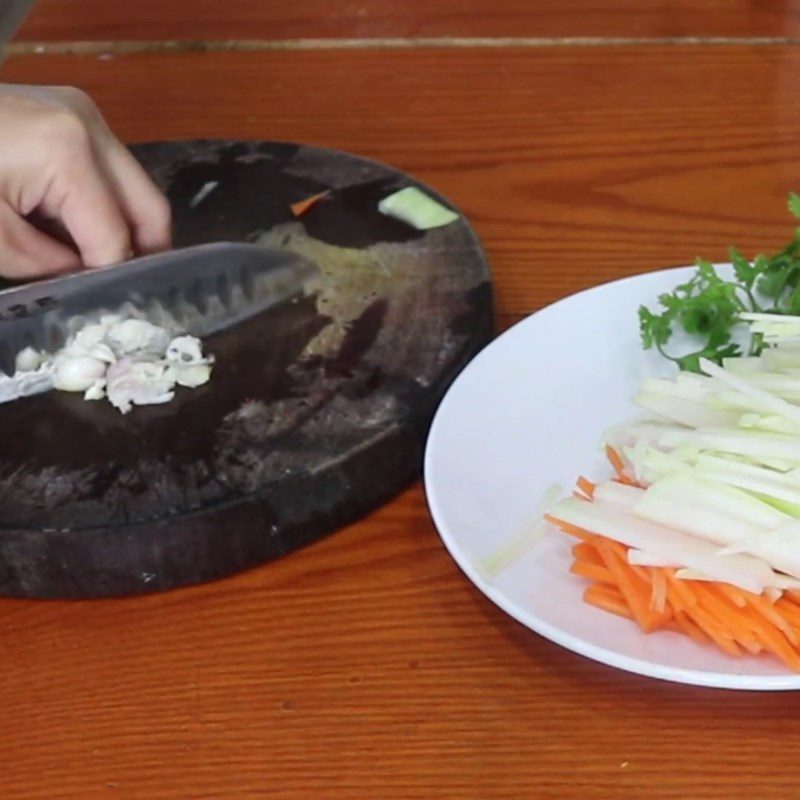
<point x="261" y="19"/>
<point x="575" y="165"/>
<point x="366" y="666"/>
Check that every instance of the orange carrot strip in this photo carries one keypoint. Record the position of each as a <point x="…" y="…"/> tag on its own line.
<point x="301" y="206"/>
<point x="572" y="530"/>
<point x="794" y="594"/>
<point x="681" y="588"/>
<point x="772" y="615"/>
<point x="658" y="594"/>
<point x="586" y="486"/>
<point x="773" y="640"/>
<point x="595" y="596"/>
<point x="714" y="630"/>
<point x="616" y="462"/>
<point x="622" y="552"/>
<point x="727" y="615"/>
<point x="789" y="611"/>
<point x="585" y="552"/>
<point x="729" y="592"/>
<point x="591" y="571"/>
<point x="690" y="628"/>
<point x="635" y="592"/>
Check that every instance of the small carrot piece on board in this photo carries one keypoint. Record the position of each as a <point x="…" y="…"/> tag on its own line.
<point x="586" y="486"/>
<point x="301" y="206"/>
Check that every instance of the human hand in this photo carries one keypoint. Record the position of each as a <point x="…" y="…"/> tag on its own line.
<point x="62" y="170"/>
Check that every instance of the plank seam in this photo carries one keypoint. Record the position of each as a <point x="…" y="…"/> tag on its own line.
<point x="124" y="47"/>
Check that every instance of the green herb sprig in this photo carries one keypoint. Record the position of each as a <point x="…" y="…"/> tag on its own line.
<point x="709" y="307"/>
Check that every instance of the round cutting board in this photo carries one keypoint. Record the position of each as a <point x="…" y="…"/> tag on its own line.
<point x="316" y="412"/>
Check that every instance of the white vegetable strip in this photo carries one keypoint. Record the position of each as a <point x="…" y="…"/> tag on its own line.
<point x="619" y="493"/>
<point x="686" y="412"/>
<point x="681" y="490"/>
<point x="643" y="559"/>
<point x="612" y="521"/>
<point x="768" y="400"/>
<point x="778" y="548"/>
<point x="731" y="440"/>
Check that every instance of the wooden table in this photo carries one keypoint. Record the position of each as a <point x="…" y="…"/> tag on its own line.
<point x="367" y="666"/>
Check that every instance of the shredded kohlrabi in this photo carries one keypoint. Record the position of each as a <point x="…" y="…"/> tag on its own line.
<point x="716" y="459"/>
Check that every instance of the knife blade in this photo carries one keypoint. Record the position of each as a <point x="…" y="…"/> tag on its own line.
<point x="195" y="290"/>
<point x="12" y="13"/>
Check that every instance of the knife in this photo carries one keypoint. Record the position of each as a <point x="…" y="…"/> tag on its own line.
<point x="12" y="13"/>
<point x="194" y="290"/>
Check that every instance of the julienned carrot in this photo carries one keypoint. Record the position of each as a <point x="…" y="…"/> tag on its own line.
<point x="634" y="590"/>
<point x="729" y="617"/>
<point x="717" y="632"/>
<point x="690" y="628"/>
<point x="771" y="614"/>
<point x="611" y="601"/>
<point x="707" y="611"/>
<point x="301" y="206"/>
<point x="585" y="552"/>
<point x="730" y="592"/>
<point x="572" y="530"/>
<point x="658" y="593"/>
<point x="586" y="486"/>
<point x="680" y="589"/>
<point x="593" y="572"/>
<point x="622" y="554"/>
<point x="616" y="461"/>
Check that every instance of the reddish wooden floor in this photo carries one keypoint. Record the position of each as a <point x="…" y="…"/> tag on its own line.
<point x="265" y="19"/>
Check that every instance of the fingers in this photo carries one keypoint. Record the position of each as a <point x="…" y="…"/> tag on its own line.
<point x="145" y="208"/>
<point x="143" y="205"/>
<point x="85" y="203"/>
<point x="59" y="162"/>
<point x="27" y="253"/>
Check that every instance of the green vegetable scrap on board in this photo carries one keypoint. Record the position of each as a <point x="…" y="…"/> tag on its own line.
<point x="710" y="307"/>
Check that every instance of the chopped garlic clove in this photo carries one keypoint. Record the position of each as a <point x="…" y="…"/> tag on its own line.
<point x="137" y="336"/>
<point x="189" y="375"/>
<point x="76" y="373"/>
<point x="186" y="350"/>
<point x="29" y="360"/>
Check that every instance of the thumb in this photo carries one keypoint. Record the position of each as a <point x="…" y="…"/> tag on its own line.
<point x="28" y="253"/>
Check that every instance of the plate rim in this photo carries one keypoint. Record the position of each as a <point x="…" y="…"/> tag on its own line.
<point x="694" y="677"/>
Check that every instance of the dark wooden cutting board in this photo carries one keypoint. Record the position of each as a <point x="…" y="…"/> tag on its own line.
<point x="316" y="412"/>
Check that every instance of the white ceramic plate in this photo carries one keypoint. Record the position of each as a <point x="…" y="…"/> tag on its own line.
<point x="529" y="412"/>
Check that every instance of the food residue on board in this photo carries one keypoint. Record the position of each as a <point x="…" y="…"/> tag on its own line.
<point x="126" y="361"/>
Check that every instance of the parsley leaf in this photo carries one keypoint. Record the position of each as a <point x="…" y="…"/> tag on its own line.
<point x="708" y="307"/>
